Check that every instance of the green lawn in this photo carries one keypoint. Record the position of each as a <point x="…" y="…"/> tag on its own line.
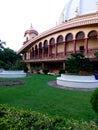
<point x="36" y="95"/>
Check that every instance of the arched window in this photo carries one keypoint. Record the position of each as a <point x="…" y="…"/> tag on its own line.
<point x="69" y="37"/>
<point x="80" y="36"/>
<point x="36" y="50"/>
<point x="45" y="46"/>
<point x="60" y="39"/>
<point x="52" y="41"/>
<point x="92" y="34"/>
<point x="40" y="48"/>
<point x="32" y="51"/>
<point x="40" y="45"/>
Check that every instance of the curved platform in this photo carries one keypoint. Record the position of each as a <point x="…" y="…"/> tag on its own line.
<point x="77" y="81"/>
<point x="12" y="74"/>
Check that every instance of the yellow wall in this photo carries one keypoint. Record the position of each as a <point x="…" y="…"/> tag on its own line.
<point x="60" y="48"/>
<point x="78" y="44"/>
<point x="70" y="45"/>
<point x="93" y="43"/>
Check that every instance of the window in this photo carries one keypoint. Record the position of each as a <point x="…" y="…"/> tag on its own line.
<point x="81" y="48"/>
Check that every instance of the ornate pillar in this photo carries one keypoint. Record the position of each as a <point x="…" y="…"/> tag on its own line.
<point x="38" y="53"/>
<point x="86" y="45"/>
<point x="64" y="49"/>
<point x="48" y="50"/>
<point x="34" y="53"/>
<point x="42" y="52"/>
<point x="64" y="65"/>
<point x="55" y="49"/>
<point x="74" y="42"/>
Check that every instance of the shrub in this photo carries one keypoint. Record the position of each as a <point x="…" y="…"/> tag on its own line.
<point x="78" y="62"/>
<point x="94" y="100"/>
<point x="12" y="119"/>
<point x="96" y="54"/>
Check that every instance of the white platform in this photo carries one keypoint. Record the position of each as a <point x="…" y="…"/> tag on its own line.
<point x="77" y="81"/>
<point x="12" y="74"/>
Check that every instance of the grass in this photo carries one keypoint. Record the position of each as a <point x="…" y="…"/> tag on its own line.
<point x="38" y="96"/>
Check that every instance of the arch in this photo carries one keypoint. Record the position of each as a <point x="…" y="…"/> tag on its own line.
<point x="40" y="49"/>
<point x="40" y="45"/>
<point x="32" y="48"/>
<point x="36" y="50"/>
<point x="45" y="44"/>
<point x="45" y="48"/>
<point x="52" y="41"/>
<point x="32" y="51"/>
<point x="80" y="35"/>
<point x="35" y="47"/>
<point x="69" y="43"/>
<point x="92" y="40"/>
<point x="69" y="37"/>
<point x="92" y="34"/>
<point x="80" y="42"/>
<point x="60" y="39"/>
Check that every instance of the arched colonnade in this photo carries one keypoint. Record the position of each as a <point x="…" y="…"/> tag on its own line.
<point x="64" y="45"/>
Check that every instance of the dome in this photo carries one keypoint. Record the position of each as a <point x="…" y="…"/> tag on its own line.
<point x="31" y="30"/>
<point x="78" y="7"/>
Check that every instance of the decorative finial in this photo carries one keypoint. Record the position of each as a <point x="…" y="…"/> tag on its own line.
<point x="76" y="11"/>
<point x="62" y="17"/>
<point x="31" y="25"/>
<point x="97" y="6"/>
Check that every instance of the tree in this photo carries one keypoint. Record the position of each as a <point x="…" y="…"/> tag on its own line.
<point x="96" y="54"/>
<point x="9" y="58"/>
<point x="1" y="44"/>
<point x="78" y="62"/>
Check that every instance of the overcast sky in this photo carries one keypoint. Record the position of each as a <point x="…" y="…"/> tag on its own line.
<point x="16" y="17"/>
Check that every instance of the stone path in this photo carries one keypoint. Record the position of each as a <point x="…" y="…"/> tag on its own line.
<point x="54" y="84"/>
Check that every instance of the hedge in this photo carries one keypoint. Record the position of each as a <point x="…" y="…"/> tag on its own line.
<point x="13" y="119"/>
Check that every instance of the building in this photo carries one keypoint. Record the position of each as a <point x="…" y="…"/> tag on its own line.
<point x="76" y="32"/>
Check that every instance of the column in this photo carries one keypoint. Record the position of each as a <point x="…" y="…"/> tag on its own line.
<point x="74" y="42"/>
<point x="86" y="45"/>
<point x="48" y="50"/>
<point x="64" y="49"/>
<point x="34" y="53"/>
<point x="64" y="65"/>
<point x="55" y="49"/>
<point x="38" y="53"/>
<point x="42" y="52"/>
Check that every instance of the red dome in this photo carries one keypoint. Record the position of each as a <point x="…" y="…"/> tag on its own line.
<point x="31" y="31"/>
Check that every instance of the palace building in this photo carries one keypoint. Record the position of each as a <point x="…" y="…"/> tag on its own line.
<point x="77" y="32"/>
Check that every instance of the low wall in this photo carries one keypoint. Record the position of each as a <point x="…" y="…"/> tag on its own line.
<point x="77" y="81"/>
<point x="12" y="74"/>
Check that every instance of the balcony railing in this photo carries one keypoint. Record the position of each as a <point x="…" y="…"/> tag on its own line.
<point x="59" y="56"/>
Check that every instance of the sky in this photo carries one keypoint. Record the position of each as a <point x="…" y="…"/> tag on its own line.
<point x="16" y="16"/>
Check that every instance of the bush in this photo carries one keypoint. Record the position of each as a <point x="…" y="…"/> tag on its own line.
<point x="78" y="62"/>
<point x="94" y="100"/>
<point x="2" y="64"/>
<point x="12" y="119"/>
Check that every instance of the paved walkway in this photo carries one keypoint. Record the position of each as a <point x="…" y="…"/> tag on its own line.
<point x="54" y="84"/>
